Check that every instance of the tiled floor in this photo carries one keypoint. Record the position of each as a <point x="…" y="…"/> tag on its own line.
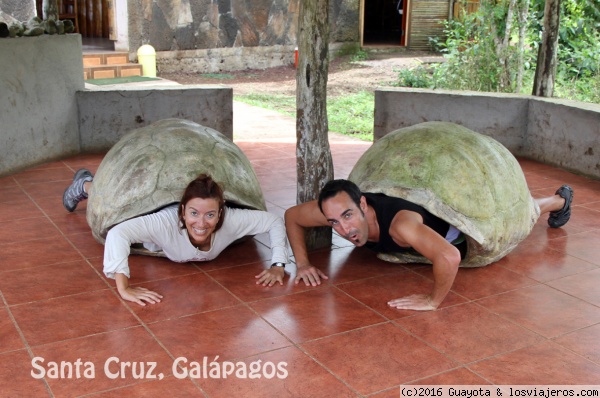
<point x="531" y="318"/>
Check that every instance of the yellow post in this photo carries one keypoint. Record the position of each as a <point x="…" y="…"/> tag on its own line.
<point x="147" y="58"/>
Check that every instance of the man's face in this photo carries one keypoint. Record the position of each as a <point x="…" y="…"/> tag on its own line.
<point x="346" y="218"/>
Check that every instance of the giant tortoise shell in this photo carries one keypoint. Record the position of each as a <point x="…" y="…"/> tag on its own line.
<point x="150" y="167"/>
<point x="467" y="179"/>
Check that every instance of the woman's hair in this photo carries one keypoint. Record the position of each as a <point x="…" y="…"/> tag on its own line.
<point x="203" y="187"/>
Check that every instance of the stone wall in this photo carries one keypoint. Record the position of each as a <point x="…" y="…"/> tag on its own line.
<point x="106" y="115"/>
<point x="561" y="133"/>
<point x="212" y="36"/>
<point x="38" y="111"/>
<point x="21" y="10"/>
<point x="46" y="113"/>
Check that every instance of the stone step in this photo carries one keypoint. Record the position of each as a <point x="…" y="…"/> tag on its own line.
<point x="111" y="71"/>
<point x="106" y="58"/>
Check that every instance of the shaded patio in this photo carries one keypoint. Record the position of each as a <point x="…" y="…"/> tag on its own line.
<point x="531" y="318"/>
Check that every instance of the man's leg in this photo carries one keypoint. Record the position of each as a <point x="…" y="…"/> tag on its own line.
<point x="558" y="205"/>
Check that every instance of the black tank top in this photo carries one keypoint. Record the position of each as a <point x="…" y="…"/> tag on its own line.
<point x="386" y="208"/>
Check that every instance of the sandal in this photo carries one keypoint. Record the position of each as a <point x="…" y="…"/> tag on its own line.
<point x="560" y="217"/>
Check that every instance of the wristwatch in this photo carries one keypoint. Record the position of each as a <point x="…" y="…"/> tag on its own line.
<point x="278" y="265"/>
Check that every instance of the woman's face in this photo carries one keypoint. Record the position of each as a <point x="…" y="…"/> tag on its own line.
<point x="201" y="217"/>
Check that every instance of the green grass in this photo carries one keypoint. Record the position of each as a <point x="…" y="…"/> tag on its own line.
<point x="350" y="115"/>
<point x="221" y="76"/>
<point x="285" y="104"/>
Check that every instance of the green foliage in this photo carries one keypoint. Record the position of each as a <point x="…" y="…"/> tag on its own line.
<point x="352" y="115"/>
<point x="579" y="36"/>
<point x="417" y="77"/>
<point x="360" y="55"/>
<point x="473" y="57"/>
<point x="349" y="115"/>
<point x="471" y="60"/>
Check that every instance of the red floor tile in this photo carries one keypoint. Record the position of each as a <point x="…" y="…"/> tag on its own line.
<point x="184" y="295"/>
<point x="227" y="334"/>
<point x="103" y="359"/>
<point x="377" y="292"/>
<point x="246" y="252"/>
<point x="15" y="376"/>
<point x="460" y="376"/>
<point x="377" y="358"/>
<point x="544" y="310"/>
<point x="13" y="194"/>
<point x="470" y="332"/>
<point x="241" y="281"/>
<point x="475" y="283"/>
<point x="42" y="174"/>
<point x="543" y="364"/>
<point x="542" y="263"/>
<point x="59" y="280"/>
<point x="288" y="371"/>
<point x="10" y="340"/>
<point x="84" y="242"/>
<point x="48" y="196"/>
<point x="8" y="182"/>
<point x="315" y="313"/>
<point x="583" y="246"/>
<point x="348" y="264"/>
<point x="163" y="388"/>
<point x="25" y="229"/>
<point x="74" y="316"/>
<point x="535" y="319"/>
<point x="585" y="342"/>
<point x="37" y="252"/>
<point x="18" y="210"/>
<point x="585" y="286"/>
<point x="143" y="269"/>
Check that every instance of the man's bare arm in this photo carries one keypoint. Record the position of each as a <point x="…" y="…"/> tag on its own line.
<point x="408" y="229"/>
<point x="297" y="218"/>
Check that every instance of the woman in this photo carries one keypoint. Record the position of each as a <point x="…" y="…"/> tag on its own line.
<point x="198" y="228"/>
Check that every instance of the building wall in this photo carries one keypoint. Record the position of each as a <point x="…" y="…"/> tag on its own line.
<point x="228" y="33"/>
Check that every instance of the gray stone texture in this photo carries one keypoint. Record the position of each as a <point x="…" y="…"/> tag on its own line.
<point x="557" y="132"/>
<point x="180" y="29"/>
<point x="46" y="113"/>
<point x="107" y="115"/>
<point x="38" y="111"/>
<point x="21" y="10"/>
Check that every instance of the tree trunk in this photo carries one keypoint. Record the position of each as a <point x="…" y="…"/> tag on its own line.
<point x="523" y="12"/>
<point x="545" y="71"/>
<point x="50" y="9"/>
<point x="314" y="165"/>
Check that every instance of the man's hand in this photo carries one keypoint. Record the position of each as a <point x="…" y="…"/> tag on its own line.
<point x="310" y="275"/>
<point x="417" y="302"/>
<point x="269" y="276"/>
<point x="139" y="295"/>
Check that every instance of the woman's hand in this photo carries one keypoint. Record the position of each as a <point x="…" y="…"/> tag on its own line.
<point x="139" y="295"/>
<point x="269" y="276"/>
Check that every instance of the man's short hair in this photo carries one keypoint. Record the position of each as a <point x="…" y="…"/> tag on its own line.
<point x="334" y="187"/>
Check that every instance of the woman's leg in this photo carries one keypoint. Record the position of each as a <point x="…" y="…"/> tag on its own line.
<point x="77" y="191"/>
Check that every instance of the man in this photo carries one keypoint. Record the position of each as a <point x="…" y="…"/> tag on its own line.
<point x="387" y="224"/>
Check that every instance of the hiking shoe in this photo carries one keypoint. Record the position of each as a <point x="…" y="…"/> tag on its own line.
<point x="75" y="192"/>
<point x="560" y="217"/>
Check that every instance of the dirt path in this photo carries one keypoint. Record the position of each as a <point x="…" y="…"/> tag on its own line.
<point x="345" y="76"/>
